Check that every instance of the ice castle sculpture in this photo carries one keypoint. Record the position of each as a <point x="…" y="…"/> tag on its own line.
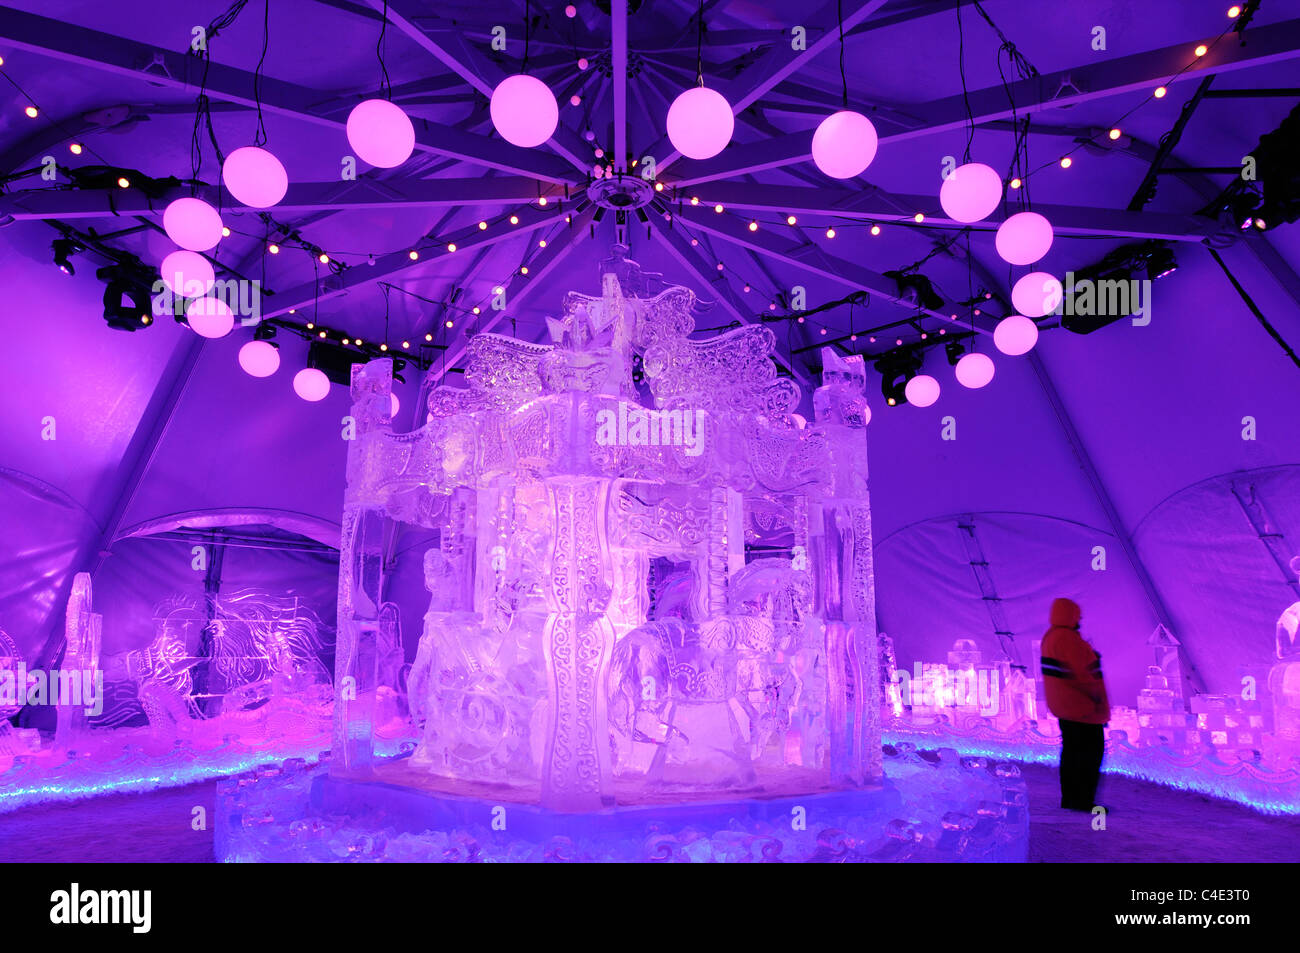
<point x="651" y="573"/>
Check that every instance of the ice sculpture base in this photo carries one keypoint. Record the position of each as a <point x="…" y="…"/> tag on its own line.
<point x="932" y="807"/>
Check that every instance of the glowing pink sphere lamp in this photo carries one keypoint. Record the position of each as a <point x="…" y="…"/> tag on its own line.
<point x="192" y="223"/>
<point x="1037" y="294"/>
<point x="524" y="110"/>
<point x="259" y="358"/>
<point x="187" y="274"/>
<point x="974" y="370"/>
<point x="700" y="123"/>
<point x="1015" y="335"/>
<point x="971" y="192"/>
<point x="311" y="384"/>
<point x="381" y="133"/>
<point x="844" y="144"/>
<point x="1024" y="238"/>
<point x="210" y="317"/>
<point x="255" y="177"/>
<point x="922" y="390"/>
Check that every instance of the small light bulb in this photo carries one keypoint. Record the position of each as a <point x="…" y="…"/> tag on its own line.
<point x="448" y="322"/>
<point x="476" y="309"/>
<point x="413" y="255"/>
<point x="1160" y="92"/>
<point x="718" y="208"/>
<point x="582" y="62"/>
<point x="541" y="243"/>
<point x="1202" y="50"/>
<point x="823" y="330"/>
<point x="575" y="100"/>
<point x="406" y="344"/>
<point x="695" y="200"/>
<point x="346" y="342"/>
<point x="383" y="347"/>
<point x="31" y="112"/>
<point x="659" y="186"/>
<point x="482" y="226"/>
<point x="1066" y="162"/>
<point x="123" y="182"/>
<point x="514" y="219"/>
<point x="273" y="248"/>
<point x="830" y="233"/>
<point x="753" y="226"/>
<point x="919" y="217"/>
<point x="324" y="258"/>
<point x="790" y="220"/>
<point x="719" y="266"/>
<point x="451" y="246"/>
<point x="875" y="229"/>
<point x="600" y="153"/>
<point x="428" y="337"/>
<point x="746" y="289"/>
<point x="543" y="201"/>
<point x="321" y="335"/>
<point x="1015" y="183"/>
<point x="75" y="148"/>
<point x="523" y="269"/>
<point x="310" y="325"/>
<point x="1114" y="134"/>
<point x="225" y="232"/>
<point x="1234" y="11"/>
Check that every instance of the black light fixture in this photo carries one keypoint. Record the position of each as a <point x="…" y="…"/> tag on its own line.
<point x="915" y="288"/>
<point x="64" y="249"/>
<point x="128" y="305"/>
<point x="896" y="368"/>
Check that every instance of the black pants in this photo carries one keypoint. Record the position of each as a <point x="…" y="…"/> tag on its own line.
<point x="1082" y="748"/>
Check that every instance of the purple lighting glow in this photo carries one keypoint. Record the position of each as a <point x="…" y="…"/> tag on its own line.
<point x="1024" y="238"/>
<point x="970" y="193"/>
<point x="844" y="144"/>
<point x="381" y="133"/>
<point x="192" y="224"/>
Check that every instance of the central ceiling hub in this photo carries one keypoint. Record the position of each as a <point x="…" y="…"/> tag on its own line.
<point x="621" y="191"/>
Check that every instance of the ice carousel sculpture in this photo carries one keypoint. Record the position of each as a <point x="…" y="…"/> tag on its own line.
<point x="603" y="619"/>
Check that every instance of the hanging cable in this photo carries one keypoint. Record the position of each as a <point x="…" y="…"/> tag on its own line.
<point x="260" y="138"/>
<point x="965" y="93"/>
<point x="528" y="31"/>
<point x="699" y="46"/>
<point x="844" y="78"/>
<point x="379" y="52"/>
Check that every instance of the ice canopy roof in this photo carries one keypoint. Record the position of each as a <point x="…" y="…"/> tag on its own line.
<point x="1150" y="472"/>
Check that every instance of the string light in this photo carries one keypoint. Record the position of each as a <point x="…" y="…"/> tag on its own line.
<point x="695" y="200"/>
<point x="428" y="337"/>
<point x="718" y="208"/>
<point x="1160" y="92"/>
<point x="514" y="219"/>
<point x="753" y="226"/>
<point x="1066" y="162"/>
<point x="31" y="112"/>
<point x="449" y="322"/>
<point x="1015" y="183"/>
<point x="659" y="186"/>
<point x="406" y="344"/>
<point x="541" y="243"/>
<point x="123" y="182"/>
<point x="482" y="226"/>
<point x="543" y="201"/>
<point x="225" y="231"/>
<point x="1115" y="134"/>
<point x="919" y="217"/>
<point x="1234" y="11"/>
<point x="790" y="220"/>
<point x="75" y="148"/>
<point x="1202" y="50"/>
<point x="413" y="255"/>
<point x="451" y="246"/>
<point x="324" y="258"/>
<point x="273" y="248"/>
<point x="875" y="229"/>
<point x="830" y="233"/>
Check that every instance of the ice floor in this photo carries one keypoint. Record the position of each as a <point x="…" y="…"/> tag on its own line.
<point x="1150" y="823"/>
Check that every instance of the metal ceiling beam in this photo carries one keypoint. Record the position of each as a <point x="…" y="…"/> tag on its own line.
<point x="1140" y="72"/>
<point x="777" y="64"/>
<point x="478" y="71"/>
<point x="124" y="57"/>
<point x="618" y="26"/>
<point x="690" y="259"/>
<point x="538" y="270"/>
<point x="806" y="256"/>
<point x="359" y="276"/>
<point x="364" y="193"/>
<point x="878" y="205"/>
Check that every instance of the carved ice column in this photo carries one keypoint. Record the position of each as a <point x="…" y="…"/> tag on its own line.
<point x="81" y="656"/>
<point x="356" y="667"/>
<point x="577" y="641"/>
<point x="843" y="551"/>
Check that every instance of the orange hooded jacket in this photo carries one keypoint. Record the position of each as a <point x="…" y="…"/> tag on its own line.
<point x="1072" y="670"/>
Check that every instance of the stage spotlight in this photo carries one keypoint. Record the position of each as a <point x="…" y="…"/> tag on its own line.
<point x="127" y="302"/>
<point x="915" y="288"/>
<point x="896" y="368"/>
<point x="64" y="249"/>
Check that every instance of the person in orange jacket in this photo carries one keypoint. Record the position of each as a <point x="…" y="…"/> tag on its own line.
<point x="1076" y="695"/>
